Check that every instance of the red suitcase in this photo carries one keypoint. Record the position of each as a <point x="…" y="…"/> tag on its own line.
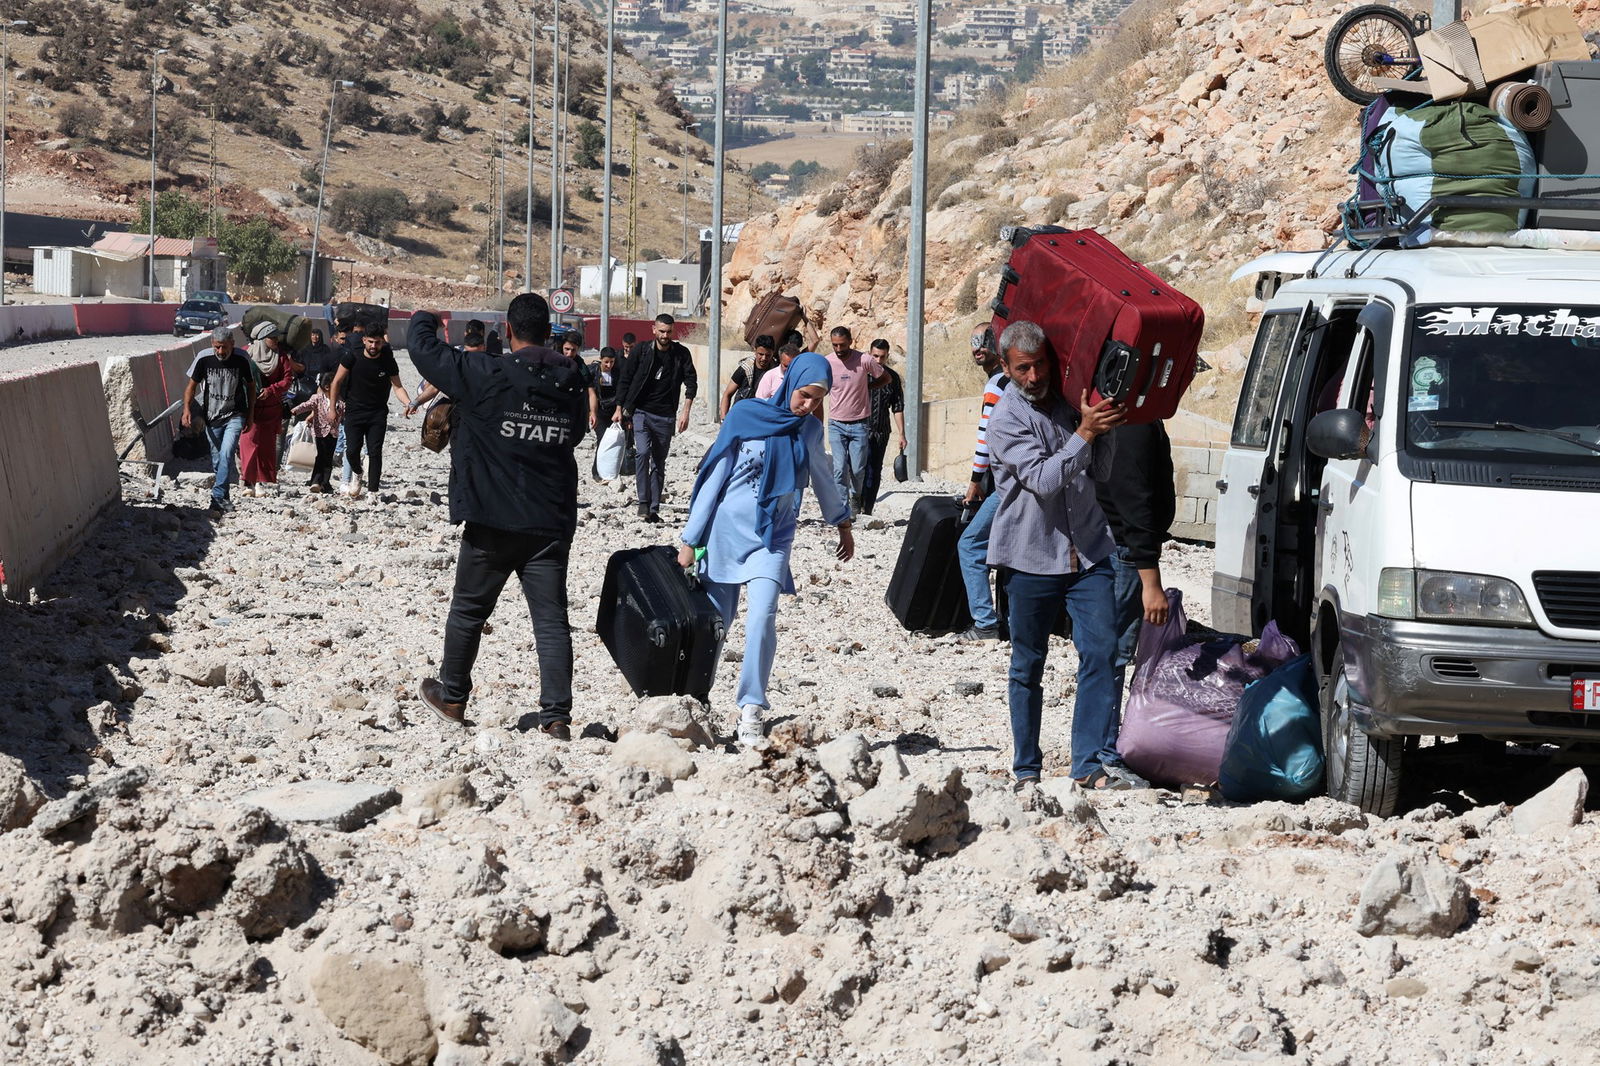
<point x="1111" y="323"/>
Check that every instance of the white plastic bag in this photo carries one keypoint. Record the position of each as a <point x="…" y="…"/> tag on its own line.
<point x="303" y="447"/>
<point x="608" y="456"/>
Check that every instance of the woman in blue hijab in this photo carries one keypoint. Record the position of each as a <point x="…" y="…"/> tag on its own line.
<point x="746" y="499"/>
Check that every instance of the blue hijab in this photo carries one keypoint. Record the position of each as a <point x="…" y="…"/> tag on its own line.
<point x="771" y="420"/>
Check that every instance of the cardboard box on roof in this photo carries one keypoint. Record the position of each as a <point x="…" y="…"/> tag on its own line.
<point x="1502" y="44"/>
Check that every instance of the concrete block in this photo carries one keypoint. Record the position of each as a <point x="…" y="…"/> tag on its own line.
<point x="1190" y="458"/>
<point x="58" y="470"/>
<point x="1201" y="485"/>
<point x="1189" y="511"/>
<point x="1210" y="514"/>
<point x="344" y="807"/>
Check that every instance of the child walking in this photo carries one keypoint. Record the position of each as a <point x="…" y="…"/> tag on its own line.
<point x="325" y="429"/>
<point x="743" y="513"/>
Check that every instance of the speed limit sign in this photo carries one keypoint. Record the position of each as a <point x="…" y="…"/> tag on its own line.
<point x="561" y="301"/>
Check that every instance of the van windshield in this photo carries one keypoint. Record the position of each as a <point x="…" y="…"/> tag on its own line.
<point x="1518" y="382"/>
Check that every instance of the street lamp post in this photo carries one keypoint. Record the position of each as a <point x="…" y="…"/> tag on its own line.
<point x="150" y="294"/>
<point x="5" y="91"/>
<point x="500" y="207"/>
<point x="527" y="203"/>
<point x="714" y="303"/>
<point x="555" y="120"/>
<point x="322" y="184"/>
<point x="605" y="194"/>
<point x="687" y="129"/>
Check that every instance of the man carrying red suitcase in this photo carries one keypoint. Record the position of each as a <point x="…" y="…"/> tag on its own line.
<point x="1053" y="539"/>
<point x="514" y="483"/>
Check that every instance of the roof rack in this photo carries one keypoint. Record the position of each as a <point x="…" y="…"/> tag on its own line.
<point x="1418" y="219"/>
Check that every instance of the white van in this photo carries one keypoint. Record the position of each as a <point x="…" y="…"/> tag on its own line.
<point x="1412" y="488"/>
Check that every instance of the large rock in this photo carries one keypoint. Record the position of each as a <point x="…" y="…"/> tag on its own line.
<point x="380" y="1005"/>
<point x="656" y="752"/>
<point x="19" y="799"/>
<point x="681" y="717"/>
<point x="59" y="814"/>
<point x="1411" y="895"/>
<point x="541" y="1025"/>
<point x="847" y="760"/>
<point x="332" y="804"/>
<point x="928" y="808"/>
<point x="1556" y="809"/>
<point x="273" y="887"/>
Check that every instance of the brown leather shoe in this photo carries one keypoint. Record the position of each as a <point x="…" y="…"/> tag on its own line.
<point x="557" y="730"/>
<point x="432" y="693"/>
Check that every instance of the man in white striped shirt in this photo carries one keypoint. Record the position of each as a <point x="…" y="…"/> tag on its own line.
<point x="973" y="547"/>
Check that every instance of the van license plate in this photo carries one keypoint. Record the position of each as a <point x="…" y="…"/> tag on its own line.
<point x="1586" y="693"/>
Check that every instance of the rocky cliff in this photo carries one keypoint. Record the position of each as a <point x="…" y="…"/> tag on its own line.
<point x="1204" y="133"/>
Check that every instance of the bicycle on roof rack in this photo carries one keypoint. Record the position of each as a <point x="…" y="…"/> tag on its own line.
<point x="1372" y="41"/>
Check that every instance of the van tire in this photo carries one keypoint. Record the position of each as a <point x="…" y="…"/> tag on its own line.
<point x="1362" y="770"/>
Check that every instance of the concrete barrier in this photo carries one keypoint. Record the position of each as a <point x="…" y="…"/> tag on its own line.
<point x="145" y="385"/>
<point x="21" y="323"/>
<point x="116" y="319"/>
<point x="57" y="470"/>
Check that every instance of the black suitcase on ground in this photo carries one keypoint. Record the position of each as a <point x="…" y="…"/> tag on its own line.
<point x="663" y="631"/>
<point x="926" y="591"/>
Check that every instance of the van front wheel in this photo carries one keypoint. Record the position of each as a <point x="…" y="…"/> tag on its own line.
<point x="1362" y="770"/>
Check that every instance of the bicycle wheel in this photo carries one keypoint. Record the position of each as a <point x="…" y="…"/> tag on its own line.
<point x="1373" y="41"/>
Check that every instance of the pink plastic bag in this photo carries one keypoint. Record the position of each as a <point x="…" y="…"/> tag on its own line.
<point x="1184" y="692"/>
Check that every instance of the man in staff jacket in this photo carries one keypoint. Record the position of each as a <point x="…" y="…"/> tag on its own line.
<point x="514" y="483"/>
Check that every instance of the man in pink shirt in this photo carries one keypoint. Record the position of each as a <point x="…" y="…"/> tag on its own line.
<point x="772" y="380"/>
<point x="850" y="413"/>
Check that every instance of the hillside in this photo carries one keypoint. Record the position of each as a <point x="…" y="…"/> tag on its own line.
<point x="434" y="83"/>
<point x="1202" y="134"/>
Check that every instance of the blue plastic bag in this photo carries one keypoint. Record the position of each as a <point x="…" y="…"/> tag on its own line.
<point x="1274" y="746"/>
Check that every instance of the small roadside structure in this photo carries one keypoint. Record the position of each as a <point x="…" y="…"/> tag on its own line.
<point x="118" y="264"/>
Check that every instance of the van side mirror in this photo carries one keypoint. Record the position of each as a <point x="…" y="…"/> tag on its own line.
<point x="1338" y="434"/>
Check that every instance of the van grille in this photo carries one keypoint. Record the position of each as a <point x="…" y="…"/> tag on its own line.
<point x="1570" y="597"/>
<point x="1456" y="669"/>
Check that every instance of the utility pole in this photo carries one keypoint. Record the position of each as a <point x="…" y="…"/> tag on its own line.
<point x="714" y="304"/>
<point x="211" y="223"/>
<point x="917" y="252"/>
<point x="605" y="195"/>
<point x="687" y="129"/>
<point x="150" y="295"/>
<point x="566" y="148"/>
<point x="633" y="210"/>
<point x="527" y="219"/>
<point x="322" y="185"/>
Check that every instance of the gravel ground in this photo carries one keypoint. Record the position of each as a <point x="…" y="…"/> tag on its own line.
<point x="867" y="890"/>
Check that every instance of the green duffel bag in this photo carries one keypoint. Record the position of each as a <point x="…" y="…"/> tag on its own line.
<point x="295" y="329"/>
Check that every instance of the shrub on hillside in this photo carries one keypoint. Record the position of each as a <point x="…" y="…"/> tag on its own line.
<point x="80" y="120"/>
<point x="831" y="201"/>
<point x="437" y="208"/>
<point x="374" y="211"/>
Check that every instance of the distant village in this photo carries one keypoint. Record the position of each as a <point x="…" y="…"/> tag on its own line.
<point x="850" y="66"/>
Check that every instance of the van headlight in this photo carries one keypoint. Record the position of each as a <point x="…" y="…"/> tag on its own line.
<point x="1442" y="596"/>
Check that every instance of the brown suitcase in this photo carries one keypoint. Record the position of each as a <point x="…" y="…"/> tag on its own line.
<point x="437" y="424"/>
<point x="775" y="315"/>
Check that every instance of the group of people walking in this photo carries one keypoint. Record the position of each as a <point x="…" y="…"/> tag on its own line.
<point x="1068" y="505"/>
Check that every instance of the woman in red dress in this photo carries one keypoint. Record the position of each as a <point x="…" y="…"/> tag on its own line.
<point x="258" y="446"/>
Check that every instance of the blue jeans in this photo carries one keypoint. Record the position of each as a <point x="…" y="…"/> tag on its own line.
<point x="848" y="443"/>
<point x="1129" y="595"/>
<point x="973" y="551"/>
<point x="1035" y="603"/>
<point x="344" y="457"/>
<point x="224" y="440"/>
<point x="760" y="633"/>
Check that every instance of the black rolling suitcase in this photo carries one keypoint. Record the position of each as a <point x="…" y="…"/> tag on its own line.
<point x="662" y="630"/>
<point x="926" y="591"/>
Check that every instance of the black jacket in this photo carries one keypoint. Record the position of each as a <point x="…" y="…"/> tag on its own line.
<point x="1138" y="494"/>
<point x="636" y="371"/>
<point x="519" y="417"/>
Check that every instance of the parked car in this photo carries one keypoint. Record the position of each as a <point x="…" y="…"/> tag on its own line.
<point x="197" y="316"/>
<point x="215" y="295"/>
<point x="1412" y="487"/>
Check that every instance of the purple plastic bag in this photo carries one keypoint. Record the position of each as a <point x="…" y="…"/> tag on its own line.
<point x="1184" y="692"/>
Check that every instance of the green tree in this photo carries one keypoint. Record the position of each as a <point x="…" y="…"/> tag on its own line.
<point x="591" y="145"/>
<point x="176" y="216"/>
<point x="254" y="249"/>
<point x="375" y="211"/>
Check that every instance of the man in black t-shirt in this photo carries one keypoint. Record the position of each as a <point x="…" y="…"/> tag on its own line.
<point x="225" y="385"/>
<point x="647" y="393"/>
<point x="747" y="375"/>
<point x="364" y="381"/>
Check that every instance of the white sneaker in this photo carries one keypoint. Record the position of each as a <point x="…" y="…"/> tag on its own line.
<point x="752" y="730"/>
